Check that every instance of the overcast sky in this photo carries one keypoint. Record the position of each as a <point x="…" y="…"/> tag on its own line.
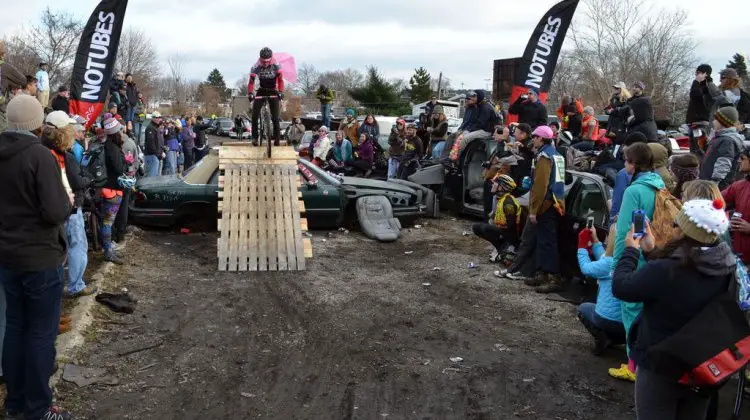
<point x="460" y="38"/>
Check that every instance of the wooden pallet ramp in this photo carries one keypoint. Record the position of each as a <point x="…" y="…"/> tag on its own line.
<point x="261" y="210"/>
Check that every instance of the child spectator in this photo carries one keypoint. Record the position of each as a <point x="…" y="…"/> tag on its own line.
<point x="505" y="224"/>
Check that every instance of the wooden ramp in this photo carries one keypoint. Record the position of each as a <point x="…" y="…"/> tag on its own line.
<point x="261" y="210"/>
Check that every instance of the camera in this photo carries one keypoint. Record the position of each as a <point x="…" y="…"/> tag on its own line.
<point x="512" y="130"/>
<point x="486" y="165"/>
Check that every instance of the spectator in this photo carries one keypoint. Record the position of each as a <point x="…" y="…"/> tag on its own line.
<point x="79" y="146"/>
<point x="530" y="109"/>
<point x="570" y="114"/>
<point x="674" y="286"/>
<point x="639" y="195"/>
<point x="524" y="148"/>
<point x="342" y="150"/>
<point x="731" y="86"/>
<point x="296" y="131"/>
<point x="350" y="126"/>
<point x="43" y="87"/>
<point x="504" y="222"/>
<point x="616" y="122"/>
<point x="546" y="206"/>
<point x="154" y="150"/>
<point x="623" y="177"/>
<point x="661" y="157"/>
<point x="172" y="143"/>
<point x="721" y="158"/>
<point x="188" y="138"/>
<point x="684" y="168"/>
<point x="396" y="141"/>
<point x="130" y="154"/>
<point x="32" y="253"/>
<point x="429" y="108"/>
<point x="737" y="197"/>
<point x="589" y="131"/>
<point x="438" y="133"/>
<point x="322" y="147"/>
<point x="602" y="319"/>
<point x="370" y="127"/>
<point x="201" y="143"/>
<point x="703" y="94"/>
<point x="478" y="124"/>
<point x="123" y="108"/>
<point x="492" y="168"/>
<point x="30" y="88"/>
<point x="366" y="155"/>
<point x="10" y="79"/>
<point x="326" y="97"/>
<point x="131" y="91"/>
<point x="413" y="152"/>
<point x="239" y="127"/>
<point x="140" y="117"/>
<point x="115" y="85"/>
<point x="640" y="113"/>
<point x="111" y="194"/>
<point x="112" y="109"/>
<point x="60" y="102"/>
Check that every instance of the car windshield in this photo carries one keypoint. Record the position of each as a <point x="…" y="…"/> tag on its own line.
<point x="320" y="174"/>
<point x="201" y="172"/>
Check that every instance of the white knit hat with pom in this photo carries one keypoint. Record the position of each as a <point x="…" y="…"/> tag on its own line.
<point x="703" y="220"/>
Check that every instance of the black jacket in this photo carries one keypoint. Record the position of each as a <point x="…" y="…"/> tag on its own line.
<point x="643" y="117"/>
<point x="116" y="166"/>
<point x="60" y="103"/>
<point x="743" y="107"/>
<point x="531" y="113"/>
<point x="34" y="205"/>
<point x="483" y="118"/>
<point x="672" y="294"/>
<point x="154" y="141"/>
<point x="701" y="101"/>
<point x="132" y="92"/>
<point x="200" y="134"/>
<point x="616" y="123"/>
<point x="78" y="182"/>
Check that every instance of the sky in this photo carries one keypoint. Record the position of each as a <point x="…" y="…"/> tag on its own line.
<point x="459" y="38"/>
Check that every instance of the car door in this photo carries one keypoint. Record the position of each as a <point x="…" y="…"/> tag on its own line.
<point x="324" y="202"/>
<point x="587" y="198"/>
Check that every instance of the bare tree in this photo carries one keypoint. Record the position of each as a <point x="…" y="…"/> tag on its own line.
<point x="242" y="84"/>
<point x="445" y="84"/>
<point x="176" y="83"/>
<point x="137" y="56"/>
<point x="55" y="41"/>
<point x="342" y="81"/>
<point x="308" y="79"/>
<point x="19" y="54"/>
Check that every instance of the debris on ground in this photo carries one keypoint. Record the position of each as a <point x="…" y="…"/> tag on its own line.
<point x="471" y="265"/>
<point x="436" y="268"/>
<point x="308" y="234"/>
<point x="466" y="233"/>
<point x="85" y="376"/>
<point x="185" y="231"/>
<point x="529" y="380"/>
<point x="457" y="359"/>
<point x="426" y="284"/>
<point x="141" y="348"/>
<point x="417" y="226"/>
<point x="500" y="347"/>
<point x="117" y="302"/>
<point x="247" y="395"/>
<point x="408" y="252"/>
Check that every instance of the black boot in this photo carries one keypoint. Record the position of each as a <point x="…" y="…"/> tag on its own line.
<point x="555" y="285"/>
<point x="538" y="280"/>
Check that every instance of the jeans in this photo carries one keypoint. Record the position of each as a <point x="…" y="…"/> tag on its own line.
<point x="393" y="164"/>
<point x="33" y="317"/>
<point x="188" y="153"/>
<point x="78" y="247"/>
<point x="584" y="145"/>
<point x="325" y="109"/>
<point x="170" y="163"/>
<point x="658" y="397"/>
<point x="137" y="133"/>
<point x="109" y="214"/>
<point x="490" y="233"/>
<point x="151" y="165"/>
<point x="547" y="258"/>
<point x="593" y="322"/>
<point x="130" y="114"/>
<point x="524" y="261"/>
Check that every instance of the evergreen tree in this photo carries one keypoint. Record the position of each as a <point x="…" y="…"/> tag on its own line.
<point x="378" y="95"/>
<point x="216" y="80"/>
<point x="738" y="63"/>
<point x="420" y="85"/>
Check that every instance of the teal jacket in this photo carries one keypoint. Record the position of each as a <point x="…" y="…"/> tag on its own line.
<point x="640" y="195"/>
<point x="342" y="153"/>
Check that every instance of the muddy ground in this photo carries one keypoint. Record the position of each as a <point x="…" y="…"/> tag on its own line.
<point x="356" y="336"/>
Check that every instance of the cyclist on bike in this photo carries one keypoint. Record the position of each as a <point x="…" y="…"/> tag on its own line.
<point x="271" y="83"/>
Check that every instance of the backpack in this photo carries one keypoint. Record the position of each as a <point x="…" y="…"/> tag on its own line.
<point x="94" y="165"/>
<point x="666" y="209"/>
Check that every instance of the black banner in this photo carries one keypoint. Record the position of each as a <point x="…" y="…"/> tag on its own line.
<point x="537" y="66"/>
<point x="95" y="59"/>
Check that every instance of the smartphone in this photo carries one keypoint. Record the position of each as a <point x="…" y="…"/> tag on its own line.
<point x="639" y="223"/>
<point x="589" y="223"/>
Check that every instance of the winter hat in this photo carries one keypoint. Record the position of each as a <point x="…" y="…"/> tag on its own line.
<point x="112" y="105"/>
<point x="703" y="220"/>
<point x="729" y="73"/>
<point x="640" y="84"/>
<point x="59" y="119"/>
<point x="704" y="68"/>
<point x="635" y="137"/>
<point x="620" y="85"/>
<point x="535" y="90"/>
<point x="544" y="132"/>
<point x="589" y="110"/>
<point x="438" y="109"/>
<point x="727" y="116"/>
<point x="112" y="126"/>
<point x="525" y="128"/>
<point x="24" y="112"/>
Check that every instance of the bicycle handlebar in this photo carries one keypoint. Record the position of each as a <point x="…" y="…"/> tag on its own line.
<point x="266" y="97"/>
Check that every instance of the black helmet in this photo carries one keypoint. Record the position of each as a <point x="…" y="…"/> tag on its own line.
<point x="266" y="53"/>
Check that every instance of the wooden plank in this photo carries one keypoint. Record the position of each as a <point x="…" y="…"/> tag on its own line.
<point x="301" y="205"/>
<point x="303" y="224"/>
<point x="224" y="239"/>
<point x="256" y="153"/>
<point x="289" y="179"/>
<point x="273" y="264"/>
<point x="307" y="245"/>
<point x="262" y="222"/>
<point x="252" y="239"/>
<point x="288" y="201"/>
<point x="234" y="220"/>
<point x="279" y="198"/>
<point x="243" y="251"/>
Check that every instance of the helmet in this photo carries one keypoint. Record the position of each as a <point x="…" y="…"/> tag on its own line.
<point x="505" y="182"/>
<point x="126" y="182"/>
<point x="266" y="53"/>
<point x="544" y="132"/>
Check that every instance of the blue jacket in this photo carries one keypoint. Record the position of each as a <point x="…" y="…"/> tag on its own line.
<point x="607" y="305"/>
<point x="78" y="152"/>
<point x="342" y="152"/>
<point x="621" y="182"/>
<point x="372" y="130"/>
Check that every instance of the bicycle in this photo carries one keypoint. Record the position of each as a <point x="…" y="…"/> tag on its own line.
<point x="265" y="127"/>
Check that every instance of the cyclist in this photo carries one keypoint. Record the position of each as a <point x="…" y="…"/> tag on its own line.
<point x="271" y="83"/>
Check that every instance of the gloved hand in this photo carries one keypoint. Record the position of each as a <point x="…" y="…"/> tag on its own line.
<point x="281" y="96"/>
<point x="584" y="239"/>
<point x="251" y="97"/>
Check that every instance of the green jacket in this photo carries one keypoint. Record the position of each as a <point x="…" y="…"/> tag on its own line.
<point x="640" y="195"/>
<point x="325" y="96"/>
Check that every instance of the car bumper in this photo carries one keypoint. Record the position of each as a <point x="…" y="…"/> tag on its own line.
<point x="151" y="217"/>
<point x="411" y="211"/>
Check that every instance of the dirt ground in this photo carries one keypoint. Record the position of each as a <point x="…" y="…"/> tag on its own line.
<point x="356" y="336"/>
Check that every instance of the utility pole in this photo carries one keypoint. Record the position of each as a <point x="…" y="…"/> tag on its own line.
<point x="440" y="83"/>
<point x="487" y="84"/>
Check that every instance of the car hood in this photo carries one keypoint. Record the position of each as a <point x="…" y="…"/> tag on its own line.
<point x="375" y="184"/>
<point x="158" y="181"/>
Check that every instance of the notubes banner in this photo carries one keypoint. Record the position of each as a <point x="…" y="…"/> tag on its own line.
<point x="540" y="58"/>
<point x="95" y="59"/>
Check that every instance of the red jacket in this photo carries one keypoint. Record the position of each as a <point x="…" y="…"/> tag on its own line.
<point x="737" y="196"/>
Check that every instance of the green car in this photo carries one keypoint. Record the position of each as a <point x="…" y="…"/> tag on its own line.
<point x="329" y="199"/>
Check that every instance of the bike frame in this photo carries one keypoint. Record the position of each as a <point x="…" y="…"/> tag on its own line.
<point x="263" y="129"/>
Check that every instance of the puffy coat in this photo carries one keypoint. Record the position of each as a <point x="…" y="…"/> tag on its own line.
<point x="721" y="159"/>
<point x="607" y="305"/>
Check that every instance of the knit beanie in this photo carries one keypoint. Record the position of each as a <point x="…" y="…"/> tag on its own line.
<point x="727" y="116"/>
<point x="704" y="68"/>
<point x="703" y="220"/>
<point x="112" y="126"/>
<point x="635" y="137"/>
<point x="24" y="112"/>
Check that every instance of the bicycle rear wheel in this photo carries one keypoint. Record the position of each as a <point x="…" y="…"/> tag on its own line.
<point x="266" y="118"/>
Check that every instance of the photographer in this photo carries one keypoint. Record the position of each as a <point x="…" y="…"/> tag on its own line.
<point x="505" y="219"/>
<point x="522" y="147"/>
<point x="529" y="109"/>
